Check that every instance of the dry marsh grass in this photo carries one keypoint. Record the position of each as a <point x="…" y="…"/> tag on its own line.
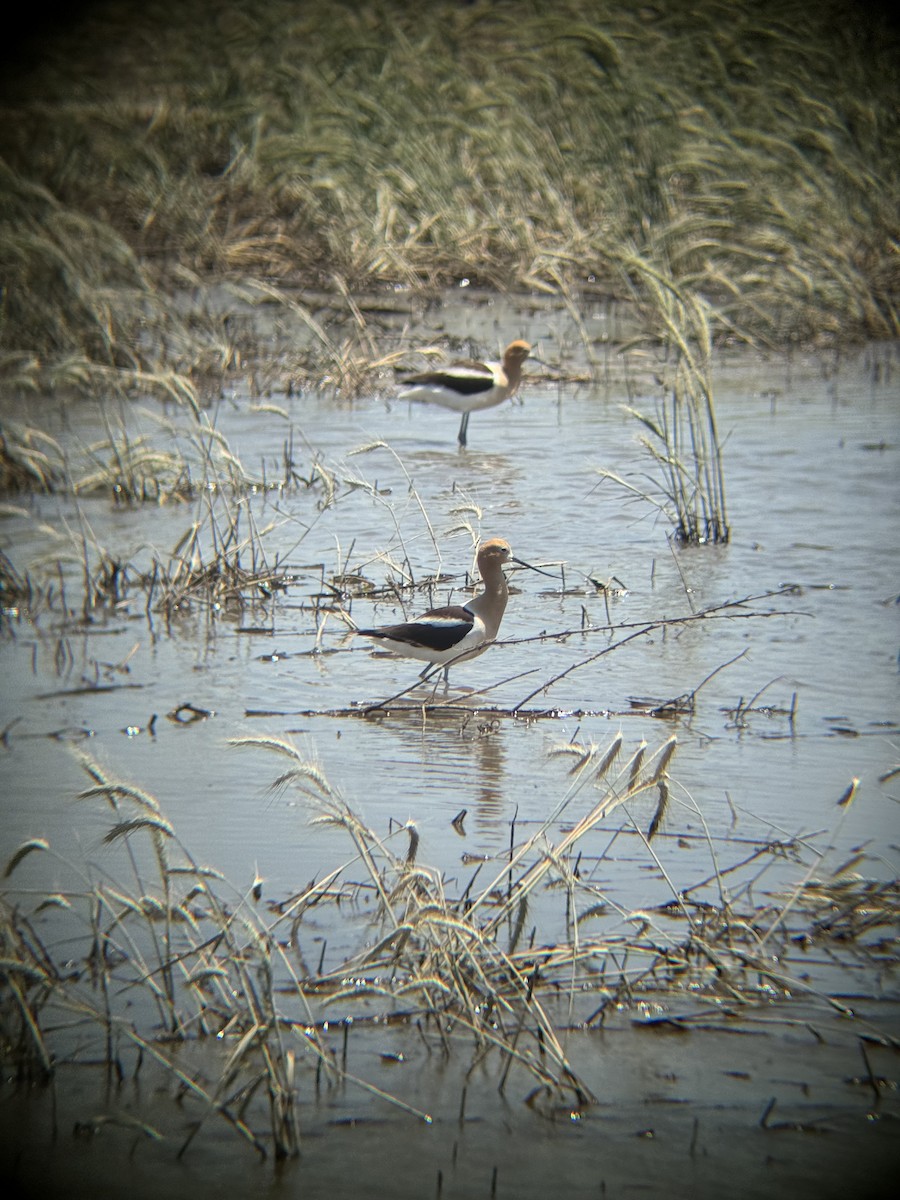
<point x="731" y="172"/>
<point x="219" y="557"/>
<point x="747" y="152"/>
<point x="218" y="561"/>
<point x="157" y="951"/>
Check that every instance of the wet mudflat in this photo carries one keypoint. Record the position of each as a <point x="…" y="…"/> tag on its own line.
<point x="797" y="661"/>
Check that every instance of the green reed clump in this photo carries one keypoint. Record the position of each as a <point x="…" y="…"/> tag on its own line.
<point x="684" y="441"/>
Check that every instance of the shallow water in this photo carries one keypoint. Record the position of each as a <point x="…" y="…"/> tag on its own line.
<point x="679" y="1114"/>
<point x="813" y="499"/>
<point x="812" y="452"/>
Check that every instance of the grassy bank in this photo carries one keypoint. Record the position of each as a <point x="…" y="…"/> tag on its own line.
<point x="745" y="153"/>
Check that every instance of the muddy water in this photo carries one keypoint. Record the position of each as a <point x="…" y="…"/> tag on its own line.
<point x="812" y="452"/>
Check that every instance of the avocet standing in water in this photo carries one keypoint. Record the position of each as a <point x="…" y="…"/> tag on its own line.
<point x="446" y="636"/>
<point x="467" y="387"/>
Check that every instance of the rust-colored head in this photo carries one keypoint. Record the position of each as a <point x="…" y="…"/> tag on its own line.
<point x="494" y="551"/>
<point x="516" y="352"/>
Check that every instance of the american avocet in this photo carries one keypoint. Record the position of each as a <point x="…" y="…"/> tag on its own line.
<point x="467" y="387"/>
<point x="445" y="636"/>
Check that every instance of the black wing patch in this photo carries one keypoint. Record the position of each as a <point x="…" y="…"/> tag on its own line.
<point x="466" y="385"/>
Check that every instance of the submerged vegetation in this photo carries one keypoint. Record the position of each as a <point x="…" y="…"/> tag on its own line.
<point x="156" y="953"/>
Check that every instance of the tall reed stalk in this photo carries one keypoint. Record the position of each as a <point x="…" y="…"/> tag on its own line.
<point x="684" y="439"/>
